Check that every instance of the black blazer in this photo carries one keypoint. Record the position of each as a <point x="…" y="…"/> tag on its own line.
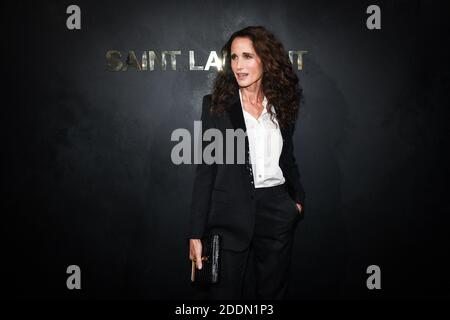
<point x="223" y="194"/>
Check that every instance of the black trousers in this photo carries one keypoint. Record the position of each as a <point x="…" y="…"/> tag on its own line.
<point x="262" y="270"/>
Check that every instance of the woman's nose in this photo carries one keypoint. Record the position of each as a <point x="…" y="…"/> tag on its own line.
<point x="238" y="64"/>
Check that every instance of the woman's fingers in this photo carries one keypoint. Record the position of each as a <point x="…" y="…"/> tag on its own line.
<point x="195" y="252"/>
<point x="198" y="255"/>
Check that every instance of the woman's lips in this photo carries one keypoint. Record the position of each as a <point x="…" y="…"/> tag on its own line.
<point x="242" y="76"/>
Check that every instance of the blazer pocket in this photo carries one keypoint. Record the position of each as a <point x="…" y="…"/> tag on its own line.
<point x="297" y="211"/>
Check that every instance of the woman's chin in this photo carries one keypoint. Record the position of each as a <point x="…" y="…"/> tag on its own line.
<point x="244" y="83"/>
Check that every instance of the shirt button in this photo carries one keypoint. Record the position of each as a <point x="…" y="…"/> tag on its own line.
<point x="259" y="175"/>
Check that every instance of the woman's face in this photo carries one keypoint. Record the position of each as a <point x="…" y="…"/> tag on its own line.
<point x="245" y="63"/>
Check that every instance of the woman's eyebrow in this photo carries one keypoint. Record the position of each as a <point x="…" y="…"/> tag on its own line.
<point x="249" y="53"/>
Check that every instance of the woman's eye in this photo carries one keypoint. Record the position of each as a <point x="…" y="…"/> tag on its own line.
<point x="245" y="56"/>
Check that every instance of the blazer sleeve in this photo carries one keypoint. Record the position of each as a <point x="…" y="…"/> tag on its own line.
<point x="294" y="180"/>
<point x="205" y="175"/>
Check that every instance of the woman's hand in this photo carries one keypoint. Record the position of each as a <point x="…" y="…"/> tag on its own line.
<point x="195" y="251"/>
<point x="299" y="206"/>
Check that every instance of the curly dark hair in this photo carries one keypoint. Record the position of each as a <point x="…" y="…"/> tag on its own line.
<point x="279" y="82"/>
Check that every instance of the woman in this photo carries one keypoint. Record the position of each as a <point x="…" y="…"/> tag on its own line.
<point x="254" y="205"/>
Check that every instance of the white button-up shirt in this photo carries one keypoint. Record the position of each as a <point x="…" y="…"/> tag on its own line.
<point x="265" y="144"/>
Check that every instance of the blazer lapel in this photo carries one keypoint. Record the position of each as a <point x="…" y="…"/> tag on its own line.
<point x="237" y="120"/>
<point x="236" y="113"/>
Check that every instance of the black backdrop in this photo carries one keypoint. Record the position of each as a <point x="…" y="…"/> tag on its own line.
<point x="87" y="175"/>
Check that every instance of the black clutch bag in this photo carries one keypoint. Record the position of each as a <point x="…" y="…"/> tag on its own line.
<point x="210" y="272"/>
